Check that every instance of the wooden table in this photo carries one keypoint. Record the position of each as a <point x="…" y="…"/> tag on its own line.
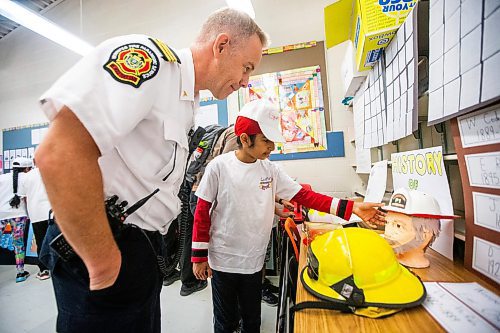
<point x="409" y="320"/>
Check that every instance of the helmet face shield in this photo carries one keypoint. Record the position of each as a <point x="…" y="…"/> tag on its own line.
<point x="357" y="267"/>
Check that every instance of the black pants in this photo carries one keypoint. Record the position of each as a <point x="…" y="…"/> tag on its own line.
<point x="132" y="304"/>
<point x="234" y="295"/>
<point x="39" y="230"/>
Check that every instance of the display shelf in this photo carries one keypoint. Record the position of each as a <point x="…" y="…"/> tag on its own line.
<point x="459" y="229"/>
<point x="450" y="157"/>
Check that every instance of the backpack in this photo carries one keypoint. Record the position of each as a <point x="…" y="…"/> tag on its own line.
<point x="217" y="140"/>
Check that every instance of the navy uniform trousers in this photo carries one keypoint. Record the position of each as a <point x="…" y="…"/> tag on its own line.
<point x="132" y="304"/>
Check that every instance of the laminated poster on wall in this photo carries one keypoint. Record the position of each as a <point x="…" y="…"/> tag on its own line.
<point x="486" y="258"/>
<point x="484" y="169"/>
<point x="424" y="170"/>
<point x="298" y="94"/>
<point x="480" y="128"/>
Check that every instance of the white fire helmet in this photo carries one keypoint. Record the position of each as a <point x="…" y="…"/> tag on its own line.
<point x="416" y="203"/>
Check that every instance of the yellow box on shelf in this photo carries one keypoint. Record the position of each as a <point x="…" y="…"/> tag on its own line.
<point x="369" y="24"/>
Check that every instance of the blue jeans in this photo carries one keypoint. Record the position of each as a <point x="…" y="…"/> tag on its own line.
<point x="235" y="295"/>
<point x="132" y="304"/>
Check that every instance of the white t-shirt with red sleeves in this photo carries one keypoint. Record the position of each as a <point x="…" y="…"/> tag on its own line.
<point x="242" y="197"/>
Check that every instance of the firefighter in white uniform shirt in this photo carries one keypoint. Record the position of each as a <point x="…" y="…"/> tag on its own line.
<point x="119" y="126"/>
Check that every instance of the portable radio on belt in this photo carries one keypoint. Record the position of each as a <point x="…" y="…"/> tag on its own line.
<point x="115" y="210"/>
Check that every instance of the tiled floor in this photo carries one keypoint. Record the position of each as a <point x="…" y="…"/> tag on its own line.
<point x="30" y="306"/>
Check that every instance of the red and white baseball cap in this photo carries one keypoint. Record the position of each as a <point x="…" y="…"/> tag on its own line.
<point x="259" y="116"/>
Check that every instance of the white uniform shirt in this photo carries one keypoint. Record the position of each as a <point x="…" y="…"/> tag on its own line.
<point x="242" y="197"/>
<point x="6" y="194"/>
<point x="37" y="202"/>
<point x="138" y="107"/>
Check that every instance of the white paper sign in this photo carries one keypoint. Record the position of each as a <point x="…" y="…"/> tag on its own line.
<point x="480" y="128"/>
<point x="363" y="160"/>
<point x="453" y="313"/>
<point x="486" y="210"/>
<point x="206" y="115"/>
<point x="484" y="169"/>
<point x="31" y="152"/>
<point x="486" y="258"/>
<point x="481" y="300"/>
<point x="377" y="182"/>
<point x="35" y="136"/>
<point x="424" y="170"/>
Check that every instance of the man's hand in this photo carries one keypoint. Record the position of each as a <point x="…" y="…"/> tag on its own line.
<point x="202" y="270"/>
<point x="106" y="274"/>
<point x="369" y="213"/>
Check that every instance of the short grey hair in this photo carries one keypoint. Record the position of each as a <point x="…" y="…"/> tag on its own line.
<point x="239" y="24"/>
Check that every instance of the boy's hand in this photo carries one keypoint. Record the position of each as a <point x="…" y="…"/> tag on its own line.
<point x="201" y="270"/>
<point x="369" y="213"/>
<point x="288" y="204"/>
<point x="283" y="214"/>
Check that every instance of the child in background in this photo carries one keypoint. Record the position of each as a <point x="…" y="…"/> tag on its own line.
<point x="38" y="207"/>
<point x="13" y="210"/>
<point x="234" y="216"/>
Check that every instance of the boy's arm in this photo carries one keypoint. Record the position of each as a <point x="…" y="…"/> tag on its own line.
<point x="324" y="203"/>
<point x="367" y="211"/>
<point x="201" y="229"/>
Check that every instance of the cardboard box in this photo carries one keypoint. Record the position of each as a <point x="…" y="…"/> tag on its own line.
<point x="351" y="76"/>
<point x="369" y="24"/>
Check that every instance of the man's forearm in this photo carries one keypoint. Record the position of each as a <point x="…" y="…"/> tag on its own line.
<point x="67" y="159"/>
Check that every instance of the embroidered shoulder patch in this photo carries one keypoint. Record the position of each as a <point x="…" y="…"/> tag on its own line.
<point x="167" y="53"/>
<point x="132" y="64"/>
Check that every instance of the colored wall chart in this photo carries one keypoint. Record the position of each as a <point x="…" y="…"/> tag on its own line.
<point x="298" y="94"/>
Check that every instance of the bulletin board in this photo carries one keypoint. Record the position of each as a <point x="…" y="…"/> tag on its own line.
<point x="298" y="95"/>
<point x="212" y="111"/>
<point x="21" y="142"/>
<point x="298" y="59"/>
<point x="477" y="141"/>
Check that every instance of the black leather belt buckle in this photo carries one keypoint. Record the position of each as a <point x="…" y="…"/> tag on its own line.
<point x="62" y="248"/>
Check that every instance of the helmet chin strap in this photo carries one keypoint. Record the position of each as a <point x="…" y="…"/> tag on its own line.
<point x="350" y="291"/>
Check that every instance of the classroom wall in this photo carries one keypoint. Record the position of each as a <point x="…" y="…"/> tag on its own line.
<point x="31" y="63"/>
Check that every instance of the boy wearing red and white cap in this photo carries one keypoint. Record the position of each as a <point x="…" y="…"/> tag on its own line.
<point x="234" y="216"/>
